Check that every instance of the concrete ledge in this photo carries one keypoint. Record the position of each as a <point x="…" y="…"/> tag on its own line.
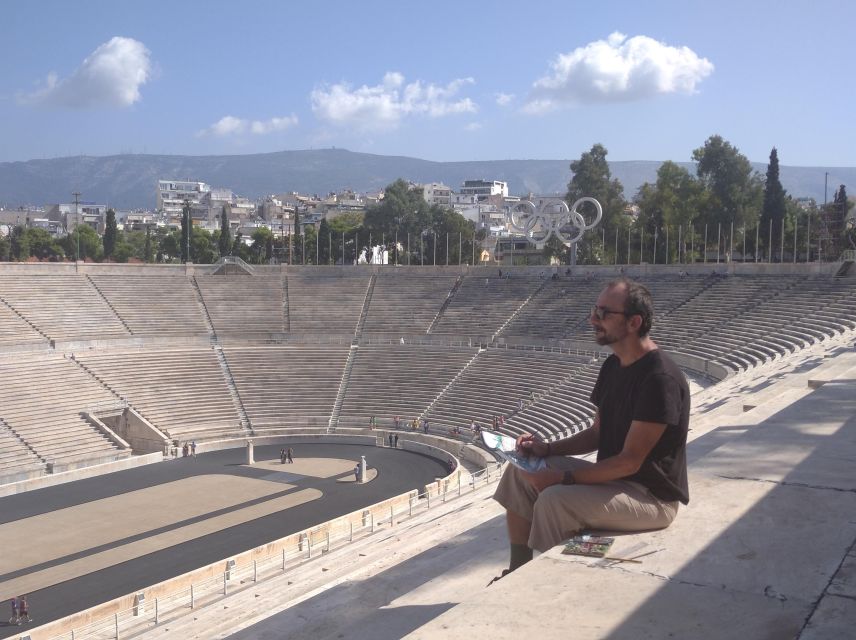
<point x="62" y="477"/>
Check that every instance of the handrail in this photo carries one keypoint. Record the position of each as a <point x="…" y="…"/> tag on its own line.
<point x="236" y="261"/>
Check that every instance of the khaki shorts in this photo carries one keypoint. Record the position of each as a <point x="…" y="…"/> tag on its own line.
<point x="561" y="511"/>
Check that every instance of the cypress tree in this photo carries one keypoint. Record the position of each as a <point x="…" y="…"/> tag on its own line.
<point x="110" y="234"/>
<point x="225" y="243"/>
<point x="774" y="205"/>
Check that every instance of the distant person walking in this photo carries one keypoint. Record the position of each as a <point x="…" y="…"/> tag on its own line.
<point x="23" y="610"/>
<point x="14" y="619"/>
<point x="282" y="456"/>
<point x="289" y="455"/>
<point x="395" y="441"/>
<point x="193" y="448"/>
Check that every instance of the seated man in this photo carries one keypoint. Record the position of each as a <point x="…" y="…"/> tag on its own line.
<point x="639" y="433"/>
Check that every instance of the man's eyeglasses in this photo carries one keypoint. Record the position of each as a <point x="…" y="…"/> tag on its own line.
<point x="601" y="312"/>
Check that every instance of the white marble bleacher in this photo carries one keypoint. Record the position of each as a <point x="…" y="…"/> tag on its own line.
<point x="15" y="456"/>
<point x="495" y="383"/>
<point x="287" y="386"/>
<point x="325" y="304"/>
<point x="406" y="304"/>
<point x="556" y="311"/>
<point x="181" y="391"/>
<point x="398" y="380"/>
<point x="482" y="305"/>
<point x="154" y="306"/>
<point x="42" y="399"/>
<point x="564" y="410"/>
<point x="15" y="331"/>
<point x="63" y="307"/>
<point x="685" y="328"/>
<point x="791" y="314"/>
<point x="243" y="304"/>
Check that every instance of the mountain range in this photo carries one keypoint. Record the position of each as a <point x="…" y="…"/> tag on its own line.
<point x="129" y="181"/>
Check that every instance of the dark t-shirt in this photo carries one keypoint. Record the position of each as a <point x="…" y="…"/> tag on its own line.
<point x="652" y="389"/>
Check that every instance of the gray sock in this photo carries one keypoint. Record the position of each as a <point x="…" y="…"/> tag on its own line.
<point x="520" y="555"/>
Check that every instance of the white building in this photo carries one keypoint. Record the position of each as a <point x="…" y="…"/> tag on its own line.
<point x="437" y="193"/>
<point x="173" y="193"/>
<point x="483" y="189"/>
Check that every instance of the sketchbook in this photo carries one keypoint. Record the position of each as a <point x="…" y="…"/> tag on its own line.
<point x="506" y="448"/>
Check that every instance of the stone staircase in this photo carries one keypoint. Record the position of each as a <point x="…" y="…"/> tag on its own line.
<point x="246" y="425"/>
<point x="451" y="382"/>
<point x="200" y="300"/>
<point x="358" y="331"/>
<point x="445" y="304"/>
<point x="109" y="304"/>
<point x="517" y="311"/>
<point x="343" y="388"/>
<point x="286" y="316"/>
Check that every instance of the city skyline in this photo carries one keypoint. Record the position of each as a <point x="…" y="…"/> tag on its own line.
<point x="462" y="81"/>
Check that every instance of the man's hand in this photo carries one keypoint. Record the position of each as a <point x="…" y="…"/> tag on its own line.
<point x="530" y="445"/>
<point x="543" y="479"/>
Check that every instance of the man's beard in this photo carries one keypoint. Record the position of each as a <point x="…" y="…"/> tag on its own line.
<point x="604" y="338"/>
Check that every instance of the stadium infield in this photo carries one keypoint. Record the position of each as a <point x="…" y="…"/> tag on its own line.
<point x="76" y="545"/>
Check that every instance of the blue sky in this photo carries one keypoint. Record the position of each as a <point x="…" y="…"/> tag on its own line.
<point x="441" y="81"/>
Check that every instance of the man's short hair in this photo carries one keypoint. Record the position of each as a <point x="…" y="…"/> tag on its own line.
<point x="638" y="302"/>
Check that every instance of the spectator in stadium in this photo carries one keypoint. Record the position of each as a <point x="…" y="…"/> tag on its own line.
<point x="639" y="433"/>
<point x="397" y="421"/>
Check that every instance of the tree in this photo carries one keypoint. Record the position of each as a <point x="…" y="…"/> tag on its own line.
<point x="202" y="247"/>
<point x="148" y="251"/>
<point x="20" y="243"/>
<point x="452" y="228"/>
<point x="5" y="249"/>
<point x="170" y="246"/>
<point x="733" y="188"/>
<point x="324" y="242"/>
<point x="591" y="177"/>
<point x="841" y="234"/>
<point x="262" y="245"/>
<point x="774" y="207"/>
<point x="670" y="203"/>
<point x="224" y="242"/>
<point x="310" y="237"/>
<point x="42" y="245"/>
<point x="555" y="248"/>
<point x="403" y="210"/>
<point x="88" y="240"/>
<point x="186" y="231"/>
<point x="110" y="234"/>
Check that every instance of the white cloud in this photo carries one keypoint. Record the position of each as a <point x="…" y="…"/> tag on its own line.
<point x="230" y="126"/>
<point x="383" y="106"/>
<point x="110" y="76"/>
<point x="473" y="126"/>
<point x="618" y="69"/>
<point x="502" y="99"/>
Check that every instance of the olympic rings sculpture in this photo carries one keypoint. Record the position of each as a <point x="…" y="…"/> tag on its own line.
<point x="553" y="218"/>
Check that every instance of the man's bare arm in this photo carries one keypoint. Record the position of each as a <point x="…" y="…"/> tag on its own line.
<point x="585" y="441"/>
<point x="640" y="440"/>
